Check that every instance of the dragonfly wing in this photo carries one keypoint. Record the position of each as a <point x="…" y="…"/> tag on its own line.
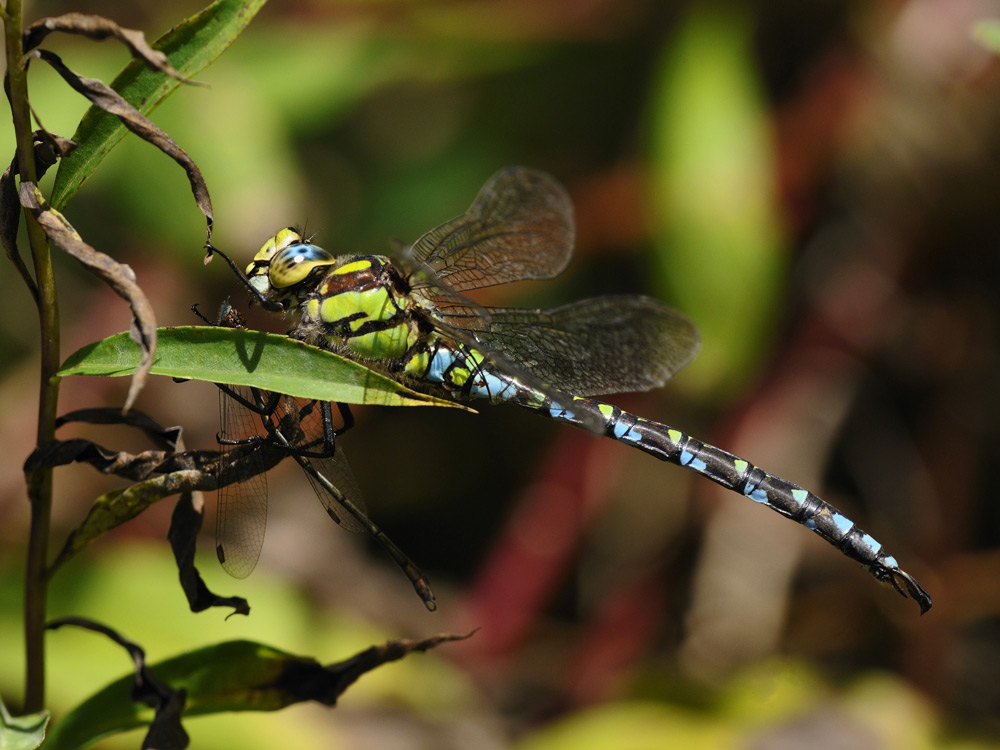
<point x="519" y="227"/>
<point x="334" y="484"/>
<point x="301" y="423"/>
<point x="595" y="346"/>
<point x="343" y="503"/>
<point x="241" y="506"/>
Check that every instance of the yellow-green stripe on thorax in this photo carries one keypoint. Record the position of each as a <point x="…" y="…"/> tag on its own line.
<point x="356" y="303"/>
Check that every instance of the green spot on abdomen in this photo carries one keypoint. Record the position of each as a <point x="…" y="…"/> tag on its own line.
<point x="458" y="376"/>
<point x="416" y="366"/>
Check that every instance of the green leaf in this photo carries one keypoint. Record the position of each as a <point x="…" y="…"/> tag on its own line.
<point x="713" y="192"/>
<point x="230" y="676"/>
<point x="218" y="678"/>
<point x="190" y="47"/>
<point x="22" y="732"/>
<point x="252" y="358"/>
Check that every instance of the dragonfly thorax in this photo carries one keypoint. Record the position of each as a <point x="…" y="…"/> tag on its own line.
<point x="362" y="302"/>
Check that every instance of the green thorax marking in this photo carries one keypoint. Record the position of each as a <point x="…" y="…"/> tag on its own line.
<point x="362" y="303"/>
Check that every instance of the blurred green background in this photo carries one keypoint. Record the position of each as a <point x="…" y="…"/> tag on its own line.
<point x="814" y="184"/>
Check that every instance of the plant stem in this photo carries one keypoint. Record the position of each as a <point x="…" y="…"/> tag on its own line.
<point x="40" y="482"/>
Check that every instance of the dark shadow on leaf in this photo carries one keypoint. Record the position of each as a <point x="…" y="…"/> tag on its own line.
<point x="249" y="348"/>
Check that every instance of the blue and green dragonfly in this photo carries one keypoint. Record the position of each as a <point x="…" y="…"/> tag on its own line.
<point x="408" y="318"/>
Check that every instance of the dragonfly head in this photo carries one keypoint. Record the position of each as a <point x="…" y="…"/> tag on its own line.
<point x="285" y="261"/>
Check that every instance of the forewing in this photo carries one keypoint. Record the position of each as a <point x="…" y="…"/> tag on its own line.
<point x="519" y="227"/>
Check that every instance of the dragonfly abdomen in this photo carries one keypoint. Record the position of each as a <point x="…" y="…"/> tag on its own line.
<point x="739" y="475"/>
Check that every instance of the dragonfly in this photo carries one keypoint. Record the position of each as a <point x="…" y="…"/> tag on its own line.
<point x="408" y="318"/>
<point x="304" y="429"/>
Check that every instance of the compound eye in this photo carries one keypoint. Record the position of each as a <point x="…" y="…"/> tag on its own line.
<point x="293" y="263"/>
<point x="277" y="243"/>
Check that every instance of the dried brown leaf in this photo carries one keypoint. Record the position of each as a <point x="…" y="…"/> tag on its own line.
<point x="101" y="95"/>
<point x="49" y="148"/>
<point x="99" y="29"/>
<point x="118" y="276"/>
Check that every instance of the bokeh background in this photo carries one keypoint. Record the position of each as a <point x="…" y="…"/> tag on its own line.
<point x="815" y="184"/>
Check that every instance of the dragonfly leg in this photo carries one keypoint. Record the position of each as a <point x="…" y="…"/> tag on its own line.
<point x="259" y="405"/>
<point x="330" y="433"/>
<point x="251" y="440"/>
<point x="196" y="311"/>
<point x="327" y="443"/>
<point x="347" y="415"/>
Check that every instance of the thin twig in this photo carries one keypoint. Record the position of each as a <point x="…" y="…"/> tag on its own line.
<point x="40" y="482"/>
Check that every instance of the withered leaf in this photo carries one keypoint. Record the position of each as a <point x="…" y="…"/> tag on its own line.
<point x="49" y="148"/>
<point x="100" y="28"/>
<point x="165" y="730"/>
<point x="103" y="96"/>
<point x="165" y="437"/>
<point x="118" y="276"/>
<point x="185" y="525"/>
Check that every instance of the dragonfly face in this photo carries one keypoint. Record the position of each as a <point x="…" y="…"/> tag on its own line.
<point x="285" y="266"/>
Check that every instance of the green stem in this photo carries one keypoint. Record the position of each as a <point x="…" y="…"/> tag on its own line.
<point x="40" y="482"/>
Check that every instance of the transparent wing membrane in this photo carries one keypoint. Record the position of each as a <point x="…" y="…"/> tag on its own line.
<point x="241" y="508"/>
<point x="595" y="346"/>
<point x="519" y="227"/>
